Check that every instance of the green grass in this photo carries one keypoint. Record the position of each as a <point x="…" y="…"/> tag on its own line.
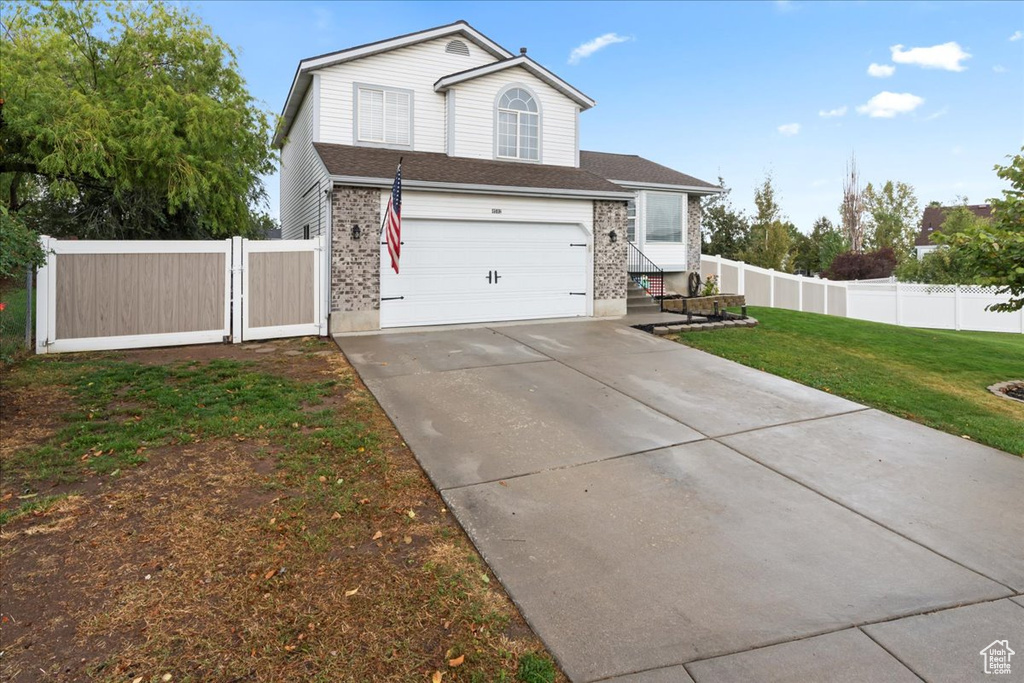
<point x="12" y="324"/>
<point x="534" y="668"/>
<point x="122" y="410"/>
<point x="935" y="377"/>
<point x="28" y="507"/>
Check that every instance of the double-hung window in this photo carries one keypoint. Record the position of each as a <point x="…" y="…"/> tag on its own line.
<point x="384" y="116"/>
<point x="664" y="217"/>
<point x="631" y="220"/>
<point x="518" y="125"/>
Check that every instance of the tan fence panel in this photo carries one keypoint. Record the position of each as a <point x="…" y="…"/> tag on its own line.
<point x="813" y="297"/>
<point x="281" y="288"/>
<point x="114" y="295"/>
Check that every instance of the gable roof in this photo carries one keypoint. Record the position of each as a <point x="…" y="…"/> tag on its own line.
<point x="633" y="170"/>
<point x="303" y="73"/>
<point x="525" y="62"/>
<point x="934" y="216"/>
<point x="375" y="167"/>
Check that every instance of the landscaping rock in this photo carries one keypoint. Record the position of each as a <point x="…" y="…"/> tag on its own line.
<point x="292" y="352"/>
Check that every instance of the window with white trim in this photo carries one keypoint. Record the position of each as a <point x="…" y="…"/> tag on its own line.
<point x="663" y="217"/>
<point x="385" y="116"/>
<point x="518" y="125"/>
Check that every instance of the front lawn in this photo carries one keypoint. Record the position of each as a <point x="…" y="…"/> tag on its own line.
<point x="935" y="377"/>
<point x="227" y="513"/>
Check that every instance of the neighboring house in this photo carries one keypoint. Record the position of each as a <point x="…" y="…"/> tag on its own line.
<point x="932" y="220"/>
<point x="503" y="217"/>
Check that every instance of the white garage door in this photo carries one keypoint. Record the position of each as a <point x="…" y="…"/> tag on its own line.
<point x="463" y="272"/>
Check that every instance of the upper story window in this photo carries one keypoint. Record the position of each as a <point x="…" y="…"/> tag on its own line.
<point x="663" y="221"/>
<point x="383" y="116"/>
<point x="518" y="125"/>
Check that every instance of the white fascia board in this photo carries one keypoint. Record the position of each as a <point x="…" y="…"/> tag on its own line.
<point x="302" y="78"/>
<point x="533" y="67"/>
<point x="689" y="189"/>
<point x="466" y="188"/>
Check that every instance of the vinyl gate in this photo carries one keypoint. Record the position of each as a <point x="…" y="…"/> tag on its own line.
<point x="98" y="295"/>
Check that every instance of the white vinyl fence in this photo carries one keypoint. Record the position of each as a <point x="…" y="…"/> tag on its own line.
<point x="947" y="307"/>
<point x="107" y="294"/>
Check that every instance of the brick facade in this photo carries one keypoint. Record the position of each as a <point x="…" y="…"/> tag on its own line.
<point x="355" y="263"/>
<point x="609" y="257"/>
<point x="693" y="236"/>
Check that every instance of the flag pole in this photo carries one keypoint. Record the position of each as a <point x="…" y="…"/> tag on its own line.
<point x="384" y="219"/>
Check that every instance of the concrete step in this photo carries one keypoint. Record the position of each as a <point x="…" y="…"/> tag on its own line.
<point x="645" y="307"/>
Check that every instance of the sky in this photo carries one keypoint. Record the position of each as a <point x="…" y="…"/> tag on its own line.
<point x="928" y="93"/>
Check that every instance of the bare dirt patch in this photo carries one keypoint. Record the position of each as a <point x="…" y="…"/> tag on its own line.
<point x="275" y="554"/>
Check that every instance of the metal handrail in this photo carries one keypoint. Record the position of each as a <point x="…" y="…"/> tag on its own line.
<point x="638" y="266"/>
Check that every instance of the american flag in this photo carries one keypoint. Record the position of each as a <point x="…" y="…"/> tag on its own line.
<point x="394" y="219"/>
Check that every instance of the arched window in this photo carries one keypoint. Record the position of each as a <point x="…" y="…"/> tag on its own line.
<point x="518" y="125"/>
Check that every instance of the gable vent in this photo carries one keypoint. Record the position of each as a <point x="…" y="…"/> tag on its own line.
<point x="457" y="47"/>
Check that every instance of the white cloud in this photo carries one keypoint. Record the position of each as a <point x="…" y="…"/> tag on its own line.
<point x="886" y="105"/>
<point x="789" y="129"/>
<point x="937" y="114"/>
<point x="1000" y="69"/>
<point x="832" y="113"/>
<point x="1017" y="35"/>
<point x="881" y="70"/>
<point x="946" y="56"/>
<point x="591" y="46"/>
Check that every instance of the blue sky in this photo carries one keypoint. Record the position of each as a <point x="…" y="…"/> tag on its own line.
<point x="735" y="89"/>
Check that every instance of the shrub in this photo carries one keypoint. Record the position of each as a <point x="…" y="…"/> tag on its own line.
<point x="868" y="265"/>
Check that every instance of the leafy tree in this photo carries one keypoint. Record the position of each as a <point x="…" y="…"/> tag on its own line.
<point x="725" y="230"/>
<point x="828" y="243"/>
<point x="769" y="243"/>
<point x="995" y="249"/>
<point x="867" y="265"/>
<point x="893" y="217"/>
<point x="126" y="120"/>
<point x="19" y="246"/>
<point x="946" y="266"/>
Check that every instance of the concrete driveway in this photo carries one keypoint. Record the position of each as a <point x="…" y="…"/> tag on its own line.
<point x="661" y="514"/>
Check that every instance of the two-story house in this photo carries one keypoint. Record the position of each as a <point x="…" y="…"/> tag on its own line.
<point x="503" y="217"/>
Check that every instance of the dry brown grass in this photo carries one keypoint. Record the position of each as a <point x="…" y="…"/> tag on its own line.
<point x="234" y="560"/>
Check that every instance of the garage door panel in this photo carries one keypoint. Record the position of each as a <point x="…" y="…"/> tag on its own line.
<point x="444" y="269"/>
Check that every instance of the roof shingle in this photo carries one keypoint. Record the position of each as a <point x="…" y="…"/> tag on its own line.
<point x="934" y="216"/>
<point x="371" y="162"/>
<point x="636" y="169"/>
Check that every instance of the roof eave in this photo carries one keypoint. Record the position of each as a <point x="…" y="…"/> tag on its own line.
<point x="469" y="188"/>
<point x="446" y="82"/>
<point x="689" y="189"/>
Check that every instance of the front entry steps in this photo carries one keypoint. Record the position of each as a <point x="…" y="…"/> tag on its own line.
<point x="639" y="301"/>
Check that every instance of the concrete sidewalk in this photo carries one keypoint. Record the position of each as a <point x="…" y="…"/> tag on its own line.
<point x="661" y="514"/>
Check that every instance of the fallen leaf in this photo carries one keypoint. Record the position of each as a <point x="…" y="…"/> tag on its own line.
<point x="377" y="535"/>
<point x="436" y="678"/>
<point x="336" y="515"/>
<point x="503" y="483"/>
<point x="412" y="514"/>
<point x="349" y="594"/>
<point x="364" y="501"/>
<point x="290" y="648"/>
<point x="269" y="575"/>
<point x="485" y="578"/>
<point x="166" y="677"/>
<point x="407" y="540"/>
<point x="295" y="425"/>
<point x="137" y="679"/>
<point x="322" y="478"/>
<point x="457" y="661"/>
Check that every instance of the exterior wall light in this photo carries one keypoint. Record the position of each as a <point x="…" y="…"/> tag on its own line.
<point x="356" y="232"/>
<point x="612" y="237"/>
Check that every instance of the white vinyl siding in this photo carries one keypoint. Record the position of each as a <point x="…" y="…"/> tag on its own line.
<point x="476" y="118"/>
<point x="664" y="221"/>
<point x="301" y="203"/>
<point x="415" y="69"/>
<point x="384" y="116"/>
